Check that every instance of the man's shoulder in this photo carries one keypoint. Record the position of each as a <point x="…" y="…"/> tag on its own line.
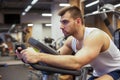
<point x="69" y="40"/>
<point x="96" y="33"/>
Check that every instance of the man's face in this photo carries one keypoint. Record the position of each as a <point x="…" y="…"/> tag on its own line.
<point x="67" y="24"/>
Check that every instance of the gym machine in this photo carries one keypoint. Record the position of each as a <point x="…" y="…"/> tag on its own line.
<point x="102" y="11"/>
<point x="49" y="72"/>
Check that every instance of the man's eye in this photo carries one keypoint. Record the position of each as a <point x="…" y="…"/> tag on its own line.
<point x="65" y="22"/>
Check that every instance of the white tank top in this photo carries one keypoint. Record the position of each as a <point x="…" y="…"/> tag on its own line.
<point x="107" y="61"/>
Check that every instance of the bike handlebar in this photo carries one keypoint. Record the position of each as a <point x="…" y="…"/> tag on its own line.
<point x="45" y="67"/>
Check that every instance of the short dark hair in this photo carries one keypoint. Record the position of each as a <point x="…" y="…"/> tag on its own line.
<point x="73" y="10"/>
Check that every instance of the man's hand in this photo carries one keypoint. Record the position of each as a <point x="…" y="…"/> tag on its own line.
<point x="29" y="55"/>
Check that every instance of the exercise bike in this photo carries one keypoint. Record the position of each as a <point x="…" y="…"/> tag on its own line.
<point x="49" y="72"/>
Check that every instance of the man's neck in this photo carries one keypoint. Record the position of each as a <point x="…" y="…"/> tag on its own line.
<point x="80" y="33"/>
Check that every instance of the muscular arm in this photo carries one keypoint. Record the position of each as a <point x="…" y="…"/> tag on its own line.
<point x="92" y="46"/>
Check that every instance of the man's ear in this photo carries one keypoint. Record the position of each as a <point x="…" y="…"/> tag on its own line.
<point x="78" y="21"/>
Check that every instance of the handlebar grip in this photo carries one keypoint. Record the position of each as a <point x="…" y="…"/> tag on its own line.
<point x="22" y="46"/>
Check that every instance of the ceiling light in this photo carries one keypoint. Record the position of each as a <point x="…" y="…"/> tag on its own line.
<point x="23" y="13"/>
<point x="48" y="24"/>
<point x="64" y="4"/>
<point x="117" y="5"/>
<point x="46" y="14"/>
<point x="28" y="8"/>
<point x="30" y="25"/>
<point x="33" y="2"/>
<point x="92" y="3"/>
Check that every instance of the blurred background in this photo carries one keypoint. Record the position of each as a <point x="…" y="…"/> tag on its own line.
<point x="22" y="19"/>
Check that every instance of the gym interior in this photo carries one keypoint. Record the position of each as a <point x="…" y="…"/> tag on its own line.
<point x="21" y="20"/>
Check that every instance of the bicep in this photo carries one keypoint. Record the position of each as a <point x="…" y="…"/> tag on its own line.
<point x="91" y="49"/>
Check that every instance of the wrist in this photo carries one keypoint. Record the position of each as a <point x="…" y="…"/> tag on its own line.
<point x="39" y="57"/>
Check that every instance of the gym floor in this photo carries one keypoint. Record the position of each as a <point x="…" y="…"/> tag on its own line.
<point x="16" y="70"/>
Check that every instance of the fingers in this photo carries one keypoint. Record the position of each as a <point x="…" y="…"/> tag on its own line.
<point x="24" y="59"/>
<point x="24" y="55"/>
<point x="27" y="55"/>
<point x="18" y="54"/>
<point x="21" y="54"/>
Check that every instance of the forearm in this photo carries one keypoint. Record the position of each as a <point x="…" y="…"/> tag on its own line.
<point x="62" y="61"/>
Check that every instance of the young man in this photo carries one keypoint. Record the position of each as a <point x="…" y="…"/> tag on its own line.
<point x="91" y="46"/>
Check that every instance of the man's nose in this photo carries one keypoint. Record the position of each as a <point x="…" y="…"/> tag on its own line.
<point x="61" y="26"/>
